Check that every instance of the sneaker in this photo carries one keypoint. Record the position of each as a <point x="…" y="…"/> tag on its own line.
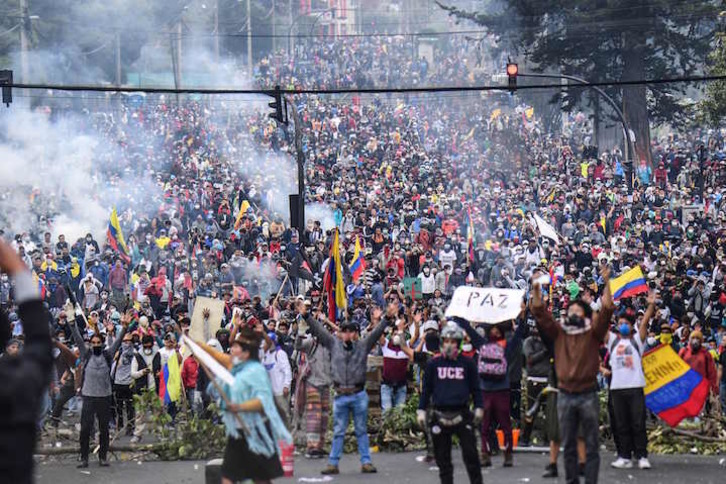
<point x="643" y="463"/>
<point x="330" y="470"/>
<point x="429" y="458"/>
<point x="368" y="468"/>
<point x="103" y="462"/>
<point x="508" y="459"/>
<point x="550" y="471"/>
<point x="486" y="460"/>
<point x="314" y="454"/>
<point x="622" y="463"/>
<point x="83" y="464"/>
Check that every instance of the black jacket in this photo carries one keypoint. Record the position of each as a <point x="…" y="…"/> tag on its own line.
<point x="23" y="379"/>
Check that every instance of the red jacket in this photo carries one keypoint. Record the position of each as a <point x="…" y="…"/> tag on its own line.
<point x="701" y="362"/>
<point x="190" y="370"/>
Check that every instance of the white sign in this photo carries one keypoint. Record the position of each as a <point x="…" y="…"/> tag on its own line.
<point x="546" y="229"/>
<point x="489" y="305"/>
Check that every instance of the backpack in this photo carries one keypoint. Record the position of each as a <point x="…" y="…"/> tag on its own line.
<point x="492" y="362"/>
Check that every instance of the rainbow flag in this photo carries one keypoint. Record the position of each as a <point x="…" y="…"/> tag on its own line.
<point x="170" y="383"/>
<point x="116" y="237"/>
<point x="333" y="283"/>
<point x="628" y="284"/>
<point x="358" y="264"/>
<point x="673" y="391"/>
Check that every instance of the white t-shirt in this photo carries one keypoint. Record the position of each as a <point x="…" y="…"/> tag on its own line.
<point x="625" y="362"/>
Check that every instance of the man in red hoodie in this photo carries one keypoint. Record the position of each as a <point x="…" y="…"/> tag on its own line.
<point x="189" y="373"/>
<point x="700" y="360"/>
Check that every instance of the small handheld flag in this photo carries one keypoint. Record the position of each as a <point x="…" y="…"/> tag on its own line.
<point x="628" y="284"/>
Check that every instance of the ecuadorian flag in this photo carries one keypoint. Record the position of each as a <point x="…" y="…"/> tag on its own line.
<point x="333" y="283"/>
<point x="673" y="391"/>
<point x="170" y="384"/>
<point x="628" y="284"/>
<point x="116" y="237"/>
<point x="358" y="264"/>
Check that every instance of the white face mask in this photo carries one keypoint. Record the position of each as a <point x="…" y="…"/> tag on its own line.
<point x="148" y="351"/>
<point x="650" y="341"/>
<point x="466" y="347"/>
<point x="397" y="340"/>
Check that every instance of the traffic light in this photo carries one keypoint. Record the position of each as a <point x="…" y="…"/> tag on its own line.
<point x="6" y="80"/>
<point x="278" y="114"/>
<point x="512" y="70"/>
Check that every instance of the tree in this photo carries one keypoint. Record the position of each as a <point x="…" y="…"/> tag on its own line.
<point x="610" y="40"/>
<point x="713" y="106"/>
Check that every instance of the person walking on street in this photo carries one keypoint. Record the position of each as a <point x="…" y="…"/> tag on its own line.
<point x="122" y="379"/>
<point x="144" y="370"/>
<point x="349" y="356"/>
<point x="450" y="381"/>
<point x="96" y="392"/>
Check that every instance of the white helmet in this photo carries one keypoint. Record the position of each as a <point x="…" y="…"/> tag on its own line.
<point x="452" y="331"/>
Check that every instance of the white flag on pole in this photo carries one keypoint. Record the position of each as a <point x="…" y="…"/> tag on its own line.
<point x="546" y="229"/>
<point x="208" y="360"/>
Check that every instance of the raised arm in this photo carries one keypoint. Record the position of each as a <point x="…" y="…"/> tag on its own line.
<point x="643" y="328"/>
<point x="125" y="321"/>
<point x="316" y="328"/>
<point x="543" y="318"/>
<point x="377" y="332"/>
<point x="601" y="320"/>
<point x="477" y="341"/>
<point x="70" y="312"/>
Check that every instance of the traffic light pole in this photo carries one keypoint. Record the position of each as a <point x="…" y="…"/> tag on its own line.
<point x="300" y="170"/>
<point x="628" y="141"/>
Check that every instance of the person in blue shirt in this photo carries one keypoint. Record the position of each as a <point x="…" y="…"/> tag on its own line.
<point x="495" y="356"/>
<point x="450" y="382"/>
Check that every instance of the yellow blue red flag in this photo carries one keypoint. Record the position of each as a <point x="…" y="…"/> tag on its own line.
<point x="628" y="284"/>
<point x="333" y="283"/>
<point x="673" y="390"/>
<point x="116" y="237"/>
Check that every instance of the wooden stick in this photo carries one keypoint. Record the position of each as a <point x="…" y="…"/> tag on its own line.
<point x="282" y="286"/>
<point x="224" y="396"/>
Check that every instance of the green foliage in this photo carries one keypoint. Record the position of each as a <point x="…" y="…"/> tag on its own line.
<point x="607" y="40"/>
<point x="191" y="438"/>
<point x="399" y="431"/>
<point x="713" y="106"/>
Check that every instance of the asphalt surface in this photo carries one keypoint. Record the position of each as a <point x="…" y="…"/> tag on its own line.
<point x="392" y="468"/>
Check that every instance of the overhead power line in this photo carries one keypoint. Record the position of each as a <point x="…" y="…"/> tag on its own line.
<point x="387" y="90"/>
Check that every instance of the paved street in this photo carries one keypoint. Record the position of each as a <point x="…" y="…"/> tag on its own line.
<point x="393" y="468"/>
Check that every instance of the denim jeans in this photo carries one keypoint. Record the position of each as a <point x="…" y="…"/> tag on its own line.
<point x="392" y="396"/>
<point x="343" y="407"/>
<point x="573" y="411"/>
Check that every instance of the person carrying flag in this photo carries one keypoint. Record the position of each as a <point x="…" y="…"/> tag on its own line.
<point x="348" y="364"/>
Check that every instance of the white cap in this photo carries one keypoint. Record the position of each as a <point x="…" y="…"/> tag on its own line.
<point x="430" y="324"/>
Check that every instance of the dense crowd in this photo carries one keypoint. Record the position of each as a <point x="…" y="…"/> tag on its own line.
<point x="438" y="193"/>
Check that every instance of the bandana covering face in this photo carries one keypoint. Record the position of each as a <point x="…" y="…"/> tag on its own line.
<point x="574" y="329"/>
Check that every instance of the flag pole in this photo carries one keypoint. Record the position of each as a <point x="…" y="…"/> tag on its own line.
<point x="223" y="395"/>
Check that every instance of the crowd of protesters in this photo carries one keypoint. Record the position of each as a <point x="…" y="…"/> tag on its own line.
<point x="435" y="190"/>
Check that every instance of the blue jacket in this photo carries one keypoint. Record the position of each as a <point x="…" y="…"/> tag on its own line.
<point x="448" y="384"/>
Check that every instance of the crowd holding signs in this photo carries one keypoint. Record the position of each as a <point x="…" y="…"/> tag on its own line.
<point x="447" y="211"/>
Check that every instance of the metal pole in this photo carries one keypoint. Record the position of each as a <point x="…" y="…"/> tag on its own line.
<point x="118" y="58"/>
<point x="628" y="141"/>
<point x="289" y="33"/>
<point x="274" y="28"/>
<point x="24" y="21"/>
<point x="300" y="165"/>
<point x="249" y="39"/>
<point x="216" y="31"/>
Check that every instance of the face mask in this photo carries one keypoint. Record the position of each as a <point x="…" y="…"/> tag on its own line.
<point x="695" y="344"/>
<point x="666" y="338"/>
<point x="450" y="350"/>
<point x="624" y="329"/>
<point x="348" y="345"/>
<point x="432" y="342"/>
<point x="466" y="347"/>
<point x="236" y="360"/>
<point x="97" y="350"/>
<point x="397" y="340"/>
<point x="576" y="321"/>
<point x="651" y="341"/>
<point x="148" y="351"/>
<point x="127" y="346"/>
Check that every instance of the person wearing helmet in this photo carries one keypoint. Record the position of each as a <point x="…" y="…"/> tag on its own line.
<point x="449" y="382"/>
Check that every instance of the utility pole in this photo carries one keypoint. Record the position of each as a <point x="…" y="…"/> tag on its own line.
<point x="216" y="31"/>
<point x="289" y="37"/>
<point x="300" y="166"/>
<point x="249" y="39"/>
<point x="24" y="23"/>
<point x="118" y="58"/>
<point x="274" y="28"/>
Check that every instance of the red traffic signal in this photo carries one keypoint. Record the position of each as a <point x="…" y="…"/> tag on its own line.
<point x="512" y="70"/>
